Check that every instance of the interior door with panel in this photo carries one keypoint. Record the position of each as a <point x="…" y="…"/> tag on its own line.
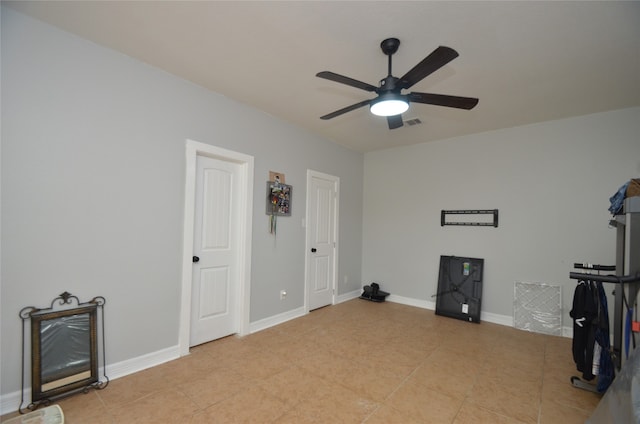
<point x="322" y="212"/>
<point x="214" y="312"/>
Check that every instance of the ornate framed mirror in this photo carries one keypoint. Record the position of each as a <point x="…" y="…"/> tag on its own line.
<point x="64" y="348"/>
<point x="64" y="355"/>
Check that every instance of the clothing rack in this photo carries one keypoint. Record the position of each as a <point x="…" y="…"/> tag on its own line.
<point x="624" y="282"/>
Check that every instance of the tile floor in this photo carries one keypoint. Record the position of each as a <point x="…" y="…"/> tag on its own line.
<point x="356" y="362"/>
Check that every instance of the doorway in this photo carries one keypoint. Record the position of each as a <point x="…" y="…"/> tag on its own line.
<point x="321" y="267"/>
<point x="212" y="291"/>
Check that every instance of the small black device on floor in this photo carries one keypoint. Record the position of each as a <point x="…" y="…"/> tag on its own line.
<point x="373" y="293"/>
<point x="460" y="288"/>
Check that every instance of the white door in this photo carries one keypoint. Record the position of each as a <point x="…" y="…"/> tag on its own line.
<point x="214" y="311"/>
<point x="322" y="212"/>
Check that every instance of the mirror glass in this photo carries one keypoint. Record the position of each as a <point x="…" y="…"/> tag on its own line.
<point x="64" y="347"/>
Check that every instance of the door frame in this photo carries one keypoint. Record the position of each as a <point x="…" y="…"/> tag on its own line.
<point x="246" y="162"/>
<point x="336" y="211"/>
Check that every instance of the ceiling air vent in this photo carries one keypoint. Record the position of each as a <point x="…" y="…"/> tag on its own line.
<point x="414" y="121"/>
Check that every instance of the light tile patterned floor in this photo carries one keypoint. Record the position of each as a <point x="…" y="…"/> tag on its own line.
<point x="356" y="362"/>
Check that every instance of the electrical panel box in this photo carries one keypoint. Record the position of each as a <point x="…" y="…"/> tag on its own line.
<point x="460" y="288"/>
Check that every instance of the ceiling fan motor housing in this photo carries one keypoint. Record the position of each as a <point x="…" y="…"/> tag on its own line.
<point x="388" y="84"/>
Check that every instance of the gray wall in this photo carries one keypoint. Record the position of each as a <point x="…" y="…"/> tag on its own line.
<point x="93" y="147"/>
<point x="551" y="183"/>
<point x="93" y="181"/>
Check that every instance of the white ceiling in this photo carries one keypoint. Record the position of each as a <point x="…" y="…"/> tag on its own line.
<point x="527" y="62"/>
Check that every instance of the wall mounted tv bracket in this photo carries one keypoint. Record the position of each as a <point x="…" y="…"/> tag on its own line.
<point x="493" y="212"/>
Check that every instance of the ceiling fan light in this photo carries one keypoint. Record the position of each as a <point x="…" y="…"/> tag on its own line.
<point x="389" y="105"/>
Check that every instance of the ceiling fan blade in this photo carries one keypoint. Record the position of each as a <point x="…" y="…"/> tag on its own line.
<point x="436" y="60"/>
<point x="394" y="121"/>
<point x="345" y="110"/>
<point x="332" y="76"/>
<point x="444" y="100"/>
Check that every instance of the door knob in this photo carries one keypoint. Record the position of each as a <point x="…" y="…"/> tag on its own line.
<point x="313" y="250"/>
<point x="196" y="259"/>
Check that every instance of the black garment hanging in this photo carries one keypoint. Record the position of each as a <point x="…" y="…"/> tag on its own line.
<point x="606" y="370"/>
<point x="591" y="325"/>
<point x="584" y="313"/>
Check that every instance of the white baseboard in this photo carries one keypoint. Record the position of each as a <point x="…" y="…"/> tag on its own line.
<point x="505" y="320"/>
<point x="143" y="362"/>
<point x="418" y="303"/>
<point x="348" y="296"/>
<point x="427" y="304"/>
<point x="567" y="332"/>
<point x="265" y="323"/>
<point x="11" y="401"/>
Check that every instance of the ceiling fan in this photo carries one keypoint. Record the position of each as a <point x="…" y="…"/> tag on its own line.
<point x="390" y="101"/>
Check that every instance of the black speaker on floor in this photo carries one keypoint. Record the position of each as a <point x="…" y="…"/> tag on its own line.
<point x="460" y="288"/>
